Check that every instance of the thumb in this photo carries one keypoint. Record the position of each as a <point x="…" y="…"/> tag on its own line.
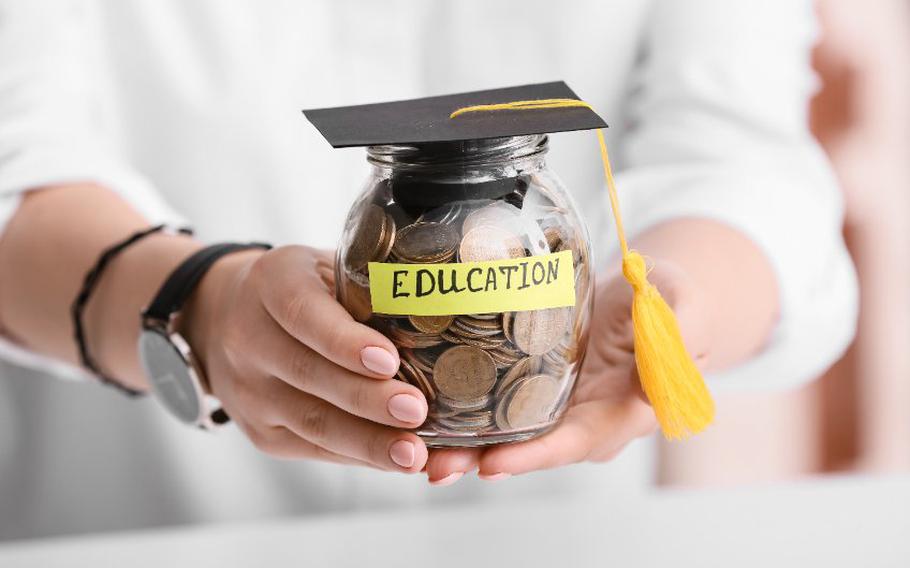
<point x="689" y="304"/>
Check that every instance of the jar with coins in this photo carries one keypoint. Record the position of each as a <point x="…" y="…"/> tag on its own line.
<point x="443" y="225"/>
<point x="468" y="253"/>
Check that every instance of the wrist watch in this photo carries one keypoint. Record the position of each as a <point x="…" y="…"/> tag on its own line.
<point x="176" y="377"/>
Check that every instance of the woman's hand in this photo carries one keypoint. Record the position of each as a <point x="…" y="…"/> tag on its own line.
<point x="296" y="373"/>
<point x="608" y="408"/>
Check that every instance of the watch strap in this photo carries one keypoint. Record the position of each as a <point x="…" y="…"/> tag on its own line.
<point x="183" y="280"/>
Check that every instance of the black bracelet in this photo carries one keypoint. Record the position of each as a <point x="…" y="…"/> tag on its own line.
<point x="88" y="286"/>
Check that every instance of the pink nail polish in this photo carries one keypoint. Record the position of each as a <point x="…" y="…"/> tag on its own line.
<point x="378" y="360"/>
<point x="403" y="453"/>
<point x="494" y="476"/>
<point x="447" y="480"/>
<point x="407" y="408"/>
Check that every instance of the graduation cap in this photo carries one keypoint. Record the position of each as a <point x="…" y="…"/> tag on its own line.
<point x="669" y="377"/>
<point x="426" y="120"/>
<point x="427" y="125"/>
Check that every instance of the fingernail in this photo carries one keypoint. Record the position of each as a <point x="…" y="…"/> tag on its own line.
<point x="406" y="408"/>
<point x="494" y="476"/>
<point x="378" y="360"/>
<point x="447" y="480"/>
<point x="403" y="453"/>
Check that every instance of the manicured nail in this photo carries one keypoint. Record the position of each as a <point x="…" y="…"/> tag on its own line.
<point x="407" y="408"/>
<point x="379" y="360"/>
<point x="447" y="480"/>
<point x="403" y="453"/>
<point x="494" y="476"/>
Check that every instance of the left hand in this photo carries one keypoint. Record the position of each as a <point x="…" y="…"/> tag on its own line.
<point x="608" y="408"/>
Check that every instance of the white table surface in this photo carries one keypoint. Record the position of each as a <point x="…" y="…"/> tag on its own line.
<point x="856" y="522"/>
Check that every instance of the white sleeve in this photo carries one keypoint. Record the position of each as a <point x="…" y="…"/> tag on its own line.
<point x="720" y="130"/>
<point x="53" y="127"/>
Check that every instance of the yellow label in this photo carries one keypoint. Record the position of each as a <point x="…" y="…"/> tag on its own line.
<point x="529" y="283"/>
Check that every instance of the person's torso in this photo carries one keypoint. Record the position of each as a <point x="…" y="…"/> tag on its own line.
<point x="204" y="99"/>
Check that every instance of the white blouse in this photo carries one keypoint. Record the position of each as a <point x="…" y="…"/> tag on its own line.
<point x="191" y="110"/>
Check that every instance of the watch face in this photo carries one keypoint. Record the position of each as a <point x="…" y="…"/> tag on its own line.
<point x="171" y="375"/>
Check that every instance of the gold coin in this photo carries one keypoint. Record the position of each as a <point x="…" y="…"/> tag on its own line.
<point x="538" y="331"/>
<point x="388" y="240"/>
<point x="431" y="324"/>
<point x="367" y="239"/>
<point x="481" y="342"/>
<point x="480" y="324"/>
<point x="504" y="356"/>
<point x="411" y="374"/>
<point x="420" y="358"/>
<point x="532" y="401"/>
<point x="468" y="420"/>
<point x="470" y="329"/>
<point x="466" y="405"/>
<point x="499" y="414"/>
<point x="507" y="326"/>
<point x="425" y="242"/>
<point x="464" y="373"/>
<point x="412" y="339"/>
<point x="355" y="299"/>
<point x="488" y="242"/>
<point x="447" y="335"/>
<point x="524" y="367"/>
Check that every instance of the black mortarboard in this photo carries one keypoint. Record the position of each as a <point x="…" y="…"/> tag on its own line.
<point x="427" y="120"/>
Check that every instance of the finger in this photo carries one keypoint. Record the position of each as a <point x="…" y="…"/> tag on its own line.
<point x="689" y="306"/>
<point x="337" y="431"/>
<point x="395" y="403"/>
<point x="592" y="430"/>
<point x="447" y="466"/>
<point x="281" y="443"/>
<point x="298" y="299"/>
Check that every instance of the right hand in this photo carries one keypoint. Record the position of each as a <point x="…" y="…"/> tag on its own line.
<point x="294" y="370"/>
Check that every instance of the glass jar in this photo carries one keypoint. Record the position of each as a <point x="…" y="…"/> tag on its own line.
<point x="499" y="375"/>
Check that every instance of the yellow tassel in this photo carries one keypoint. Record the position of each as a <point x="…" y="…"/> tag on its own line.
<point x="668" y="375"/>
<point x="670" y="379"/>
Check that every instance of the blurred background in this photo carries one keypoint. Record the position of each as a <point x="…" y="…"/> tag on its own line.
<point x="854" y="419"/>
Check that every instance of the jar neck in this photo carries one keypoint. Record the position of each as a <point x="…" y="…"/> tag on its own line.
<point x="489" y="158"/>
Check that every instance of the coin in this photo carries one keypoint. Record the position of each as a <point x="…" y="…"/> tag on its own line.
<point x="423" y="359"/>
<point x="496" y="214"/>
<point x="425" y="242"/>
<point x="475" y="341"/>
<point x="388" y="240"/>
<point x="411" y="374"/>
<point x="475" y="328"/>
<point x="538" y="331"/>
<point x="507" y="326"/>
<point x="355" y="299"/>
<point x="368" y="237"/>
<point x="504" y="356"/>
<point x="468" y="420"/>
<point x="465" y="405"/>
<point x="532" y="401"/>
<point x="446" y="214"/>
<point x="488" y="242"/>
<point x="524" y="367"/>
<point x="464" y="373"/>
<point x="431" y="324"/>
<point x="479" y="372"/>
<point x="413" y="339"/>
